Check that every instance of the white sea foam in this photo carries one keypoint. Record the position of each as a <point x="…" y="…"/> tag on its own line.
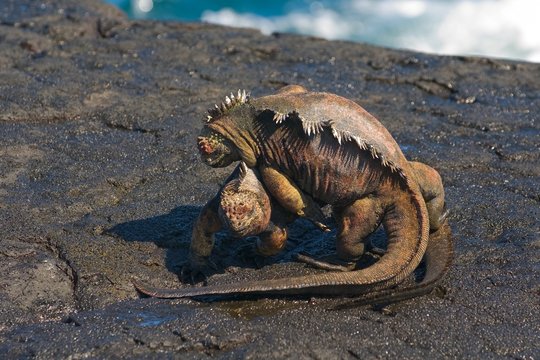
<point x="499" y="28"/>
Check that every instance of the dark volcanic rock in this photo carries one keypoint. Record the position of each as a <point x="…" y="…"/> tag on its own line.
<point x="100" y="182"/>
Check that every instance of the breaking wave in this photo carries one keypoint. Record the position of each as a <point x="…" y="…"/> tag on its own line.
<point x="503" y="28"/>
<point x="496" y="28"/>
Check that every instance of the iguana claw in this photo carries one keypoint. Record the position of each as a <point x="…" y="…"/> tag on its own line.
<point x="197" y="269"/>
<point x="314" y="215"/>
<point x="321" y="226"/>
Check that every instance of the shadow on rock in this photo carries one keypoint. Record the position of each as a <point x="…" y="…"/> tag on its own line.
<point x="171" y="231"/>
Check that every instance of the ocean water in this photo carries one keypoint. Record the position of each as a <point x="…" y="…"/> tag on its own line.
<point x="496" y="28"/>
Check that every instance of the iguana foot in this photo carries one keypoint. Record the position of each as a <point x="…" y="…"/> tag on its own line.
<point x="273" y="240"/>
<point x="320" y="264"/>
<point x="197" y="269"/>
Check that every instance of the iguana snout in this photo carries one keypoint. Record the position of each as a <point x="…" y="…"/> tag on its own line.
<point x="216" y="150"/>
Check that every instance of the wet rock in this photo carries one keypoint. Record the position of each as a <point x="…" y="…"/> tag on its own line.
<point x="100" y="182"/>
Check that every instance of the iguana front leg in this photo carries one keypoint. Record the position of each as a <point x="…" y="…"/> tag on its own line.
<point x="202" y="240"/>
<point x="290" y="197"/>
<point x="209" y="222"/>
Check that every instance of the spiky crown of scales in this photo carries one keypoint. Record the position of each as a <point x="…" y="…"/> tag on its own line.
<point x="231" y="101"/>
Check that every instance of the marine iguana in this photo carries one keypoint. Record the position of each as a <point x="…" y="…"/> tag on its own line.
<point x="319" y="148"/>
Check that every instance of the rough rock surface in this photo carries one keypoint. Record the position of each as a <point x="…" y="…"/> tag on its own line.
<point x="100" y="182"/>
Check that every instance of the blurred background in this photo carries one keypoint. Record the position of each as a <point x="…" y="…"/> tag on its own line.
<point x="496" y="28"/>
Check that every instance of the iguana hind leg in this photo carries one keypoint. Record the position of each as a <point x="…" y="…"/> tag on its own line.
<point x="355" y="223"/>
<point x="432" y="190"/>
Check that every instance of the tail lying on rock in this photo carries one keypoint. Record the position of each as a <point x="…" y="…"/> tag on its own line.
<point x="374" y="283"/>
<point x="438" y="259"/>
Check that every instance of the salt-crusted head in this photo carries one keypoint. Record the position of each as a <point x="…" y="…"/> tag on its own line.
<point x="220" y="141"/>
<point x="215" y="149"/>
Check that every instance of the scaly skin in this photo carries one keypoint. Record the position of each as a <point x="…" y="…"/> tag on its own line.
<point x="323" y="147"/>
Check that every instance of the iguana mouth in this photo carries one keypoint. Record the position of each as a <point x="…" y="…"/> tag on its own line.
<point x="213" y="159"/>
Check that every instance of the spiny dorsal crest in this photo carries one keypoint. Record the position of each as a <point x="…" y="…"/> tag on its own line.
<point x="243" y="170"/>
<point x="279" y="117"/>
<point x="231" y="101"/>
<point x="314" y="127"/>
<point x="246" y="179"/>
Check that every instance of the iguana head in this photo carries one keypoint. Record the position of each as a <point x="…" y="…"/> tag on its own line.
<point x="215" y="149"/>
<point x="225" y="137"/>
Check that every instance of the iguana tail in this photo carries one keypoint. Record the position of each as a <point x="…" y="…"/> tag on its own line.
<point x="438" y="259"/>
<point x="407" y="226"/>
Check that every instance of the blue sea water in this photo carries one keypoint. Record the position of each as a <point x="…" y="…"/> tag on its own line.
<point x="496" y="28"/>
